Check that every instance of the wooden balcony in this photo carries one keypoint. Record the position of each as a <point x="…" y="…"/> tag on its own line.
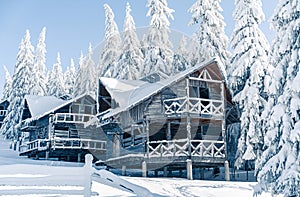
<point x="72" y="118"/>
<point x="3" y="112"/>
<point x="36" y="145"/>
<point x="62" y="143"/>
<point x="199" y="106"/>
<point x="182" y="147"/>
<point x="76" y="143"/>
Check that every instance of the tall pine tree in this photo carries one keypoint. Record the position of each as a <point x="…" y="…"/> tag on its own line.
<point x="248" y="68"/>
<point x="7" y="86"/>
<point x="280" y="162"/>
<point x="39" y="67"/>
<point x="112" y="46"/>
<point x="158" y="55"/>
<point x="131" y="57"/>
<point x="211" y="35"/>
<point x="70" y="77"/>
<point x="21" y="84"/>
<point x="79" y="76"/>
<point x="56" y="81"/>
<point x="180" y="59"/>
<point x="89" y="82"/>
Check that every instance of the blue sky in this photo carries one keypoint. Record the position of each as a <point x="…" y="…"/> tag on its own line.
<point x="73" y="24"/>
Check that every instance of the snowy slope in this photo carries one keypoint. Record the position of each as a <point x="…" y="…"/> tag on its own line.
<point x="11" y="165"/>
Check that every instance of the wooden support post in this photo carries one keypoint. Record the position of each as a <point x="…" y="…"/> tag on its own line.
<point x="180" y="173"/>
<point x="144" y="169"/>
<point x="165" y="171"/>
<point x="47" y="155"/>
<point x="227" y="174"/>
<point x="123" y="170"/>
<point x="189" y="169"/>
<point x="147" y="131"/>
<point x="188" y="118"/>
<point x="156" y="173"/>
<point x="201" y="173"/>
<point x="79" y="157"/>
<point x="188" y="128"/>
<point x="169" y="131"/>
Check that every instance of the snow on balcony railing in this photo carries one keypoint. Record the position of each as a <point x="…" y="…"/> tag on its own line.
<point x="3" y="112"/>
<point x="194" y="105"/>
<point x="64" y="143"/>
<point x="208" y="148"/>
<point x="72" y="118"/>
<point x="39" y="145"/>
<point x="175" y="148"/>
<point x="76" y="143"/>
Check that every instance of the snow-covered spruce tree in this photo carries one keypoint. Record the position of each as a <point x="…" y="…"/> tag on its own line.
<point x="131" y="58"/>
<point x="70" y="77"/>
<point x="88" y="80"/>
<point x="21" y="83"/>
<point x="248" y="67"/>
<point x="56" y="81"/>
<point x="211" y="34"/>
<point x="193" y="50"/>
<point x="112" y="46"/>
<point x="180" y="59"/>
<point x="158" y="55"/>
<point x="39" y="67"/>
<point x="7" y="86"/>
<point x="79" y="76"/>
<point x="280" y="161"/>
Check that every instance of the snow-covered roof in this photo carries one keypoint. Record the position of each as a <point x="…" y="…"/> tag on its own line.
<point x="131" y="96"/>
<point x="44" y="105"/>
<point x="38" y="105"/>
<point x="2" y="101"/>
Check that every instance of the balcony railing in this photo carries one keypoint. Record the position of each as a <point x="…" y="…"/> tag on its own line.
<point x="72" y="118"/>
<point x="182" y="147"/>
<point x="3" y="112"/>
<point x="63" y="143"/>
<point x="39" y="145"/>
<point x="194" y="106"/>
<point x="76" y="143"/>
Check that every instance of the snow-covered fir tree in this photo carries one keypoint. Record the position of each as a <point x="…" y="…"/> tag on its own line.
<point x="211" y="35"/>
<point x="248" y="67"/>
<point x="70" y="77"/>
<point x="158" y="55"/>
<point x="111" y="51"/>
<point x="180" y="59"/>
<point x="79" y="76"/>
<point x="56" y="81"/>
<point x="88" y="80"/>
<point x="39" y="67"/>
<point x="280" y="161"/>
<point x="21" y="83"/>
<point x="7" y="85"/>
<point x="131" y="58"/>
<point x="193" y="50"/>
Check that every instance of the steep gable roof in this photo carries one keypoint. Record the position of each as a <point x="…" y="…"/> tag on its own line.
<point x="50" y="104"/>
<point x="145" y="90"/>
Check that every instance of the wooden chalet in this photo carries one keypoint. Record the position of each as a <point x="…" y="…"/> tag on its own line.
<point x="53" y="127"/>
<point x="167" y="124"/>
<point x="3" y="110"/>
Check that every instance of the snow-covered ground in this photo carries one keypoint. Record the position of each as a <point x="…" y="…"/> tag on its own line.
<point x="11" y="167"/>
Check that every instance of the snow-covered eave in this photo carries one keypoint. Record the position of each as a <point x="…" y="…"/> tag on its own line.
<point x="176" y="78"/>
<point x="2" y="101"/>
<point x="28" y="120"/>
